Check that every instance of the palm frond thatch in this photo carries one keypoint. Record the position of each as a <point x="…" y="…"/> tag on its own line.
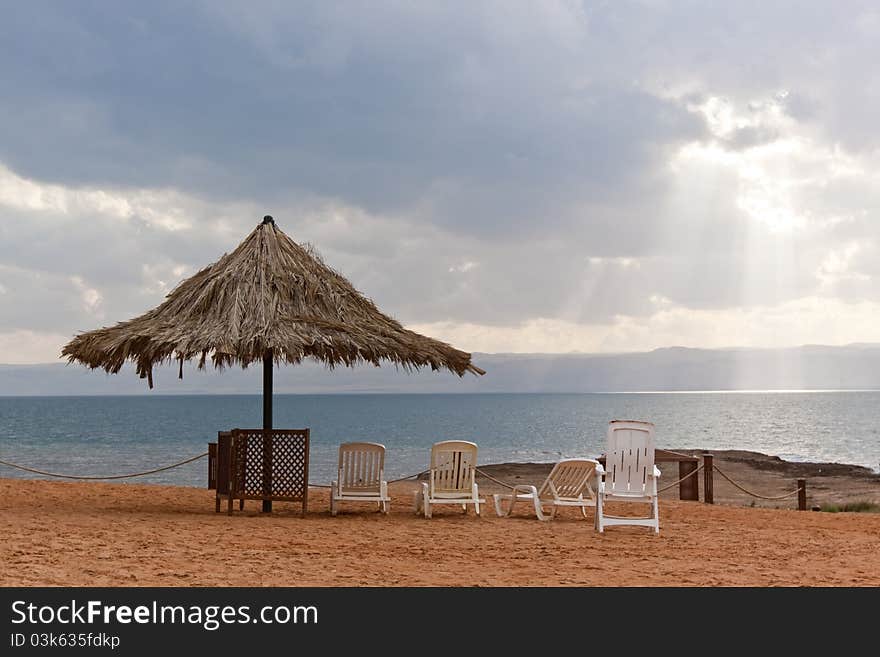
<point x="270" y="293"/>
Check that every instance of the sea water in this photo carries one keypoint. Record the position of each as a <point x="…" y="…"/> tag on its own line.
<point x="115" y="435"/>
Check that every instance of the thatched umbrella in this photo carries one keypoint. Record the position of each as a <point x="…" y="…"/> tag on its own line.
<point x="270" y="300"/>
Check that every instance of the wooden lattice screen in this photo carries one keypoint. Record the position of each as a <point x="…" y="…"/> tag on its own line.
<point x="212" y="466"/>
<point x="271" y="465"/>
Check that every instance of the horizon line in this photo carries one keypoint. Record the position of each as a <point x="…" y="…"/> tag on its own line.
<point x="63" y="361"/>
<point x="468" y="393"/>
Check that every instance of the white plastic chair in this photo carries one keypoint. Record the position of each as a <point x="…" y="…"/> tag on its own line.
<point x="360" y="476"/>
<point x="629" y="474"/>
<point x="567" y="485"/>
<point x="451" y="477"/>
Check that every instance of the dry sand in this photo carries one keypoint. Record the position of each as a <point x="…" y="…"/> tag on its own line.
<point x="61" y="534"/>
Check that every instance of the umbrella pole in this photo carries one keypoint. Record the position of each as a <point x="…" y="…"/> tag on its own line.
<point x="267" y="428"/>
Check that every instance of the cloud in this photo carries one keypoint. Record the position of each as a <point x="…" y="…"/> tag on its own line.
<point x="540" y="177"/>
<point x="22" y="347"/>
<point x="461" y="116"/>
<point x="811" y="320"/>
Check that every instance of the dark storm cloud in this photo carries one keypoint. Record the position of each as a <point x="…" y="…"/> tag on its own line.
<point x="389" y="109"/>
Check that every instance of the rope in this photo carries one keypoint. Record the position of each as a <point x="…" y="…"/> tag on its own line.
<point x="675" y="483"/>
<point x="122" y="476"/>
<point x="497" y="481"/>
<point x="147" y="472"/>
<point x="393" y="481"/>
<point x="748" y="492"/>
<point x="506" y="485"/>
<point x="419" y="474"/>
<point x="660" y="490"/>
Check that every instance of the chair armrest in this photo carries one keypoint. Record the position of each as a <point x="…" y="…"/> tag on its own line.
<point x="599" y="469"/>
<point x="656" y="472"/>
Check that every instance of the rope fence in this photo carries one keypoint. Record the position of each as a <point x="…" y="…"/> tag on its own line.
<point x="800" y="490"/>
<point x="100" y="478"/>
<point x="676" y="483"/>
<point x="393" y="481"/>
<point x="491" y="478"/>
<point x="483" y="473"/>
<point x="759" y="496"/>
<point x="130" y="475"/>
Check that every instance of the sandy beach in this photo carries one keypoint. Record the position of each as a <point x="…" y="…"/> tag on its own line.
<point x="96" y="534"/>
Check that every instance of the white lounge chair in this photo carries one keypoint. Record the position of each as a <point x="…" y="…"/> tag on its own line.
<point x="568" y="484"/>
<point x="360" y="476"/>
<point x="451" y="477"/>
<point x="630" y="474"/>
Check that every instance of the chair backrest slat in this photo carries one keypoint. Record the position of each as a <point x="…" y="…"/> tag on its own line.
<point x="570" y="478"/>
<point x="629" y="456"/>
<point x="361" y="466"/>
<point x="453" y="464"/>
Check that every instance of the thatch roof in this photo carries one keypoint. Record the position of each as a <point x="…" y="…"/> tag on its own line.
<point x="270" y="293"/>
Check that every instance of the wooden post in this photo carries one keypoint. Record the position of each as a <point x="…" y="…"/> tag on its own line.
<point x="688" y="489"/>
<point x="267" y="429"/>
<point x="802" y="494"/>
<point x="212" y="466"/>
<point x="708" y="493"/>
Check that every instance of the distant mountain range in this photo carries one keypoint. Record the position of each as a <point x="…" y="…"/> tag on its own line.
<point x="855" y="366"/>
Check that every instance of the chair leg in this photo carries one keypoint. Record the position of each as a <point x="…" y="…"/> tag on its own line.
<point x="216" y="504"/>
<point x="598" y="521"/>
<point x="498" y="512"/>
<point x="426" y="500"/>
<point x="332" y="505"/>
<point x="241" y="504"/>
<point x="539" y="510"/>
<point x="229" y="506"/>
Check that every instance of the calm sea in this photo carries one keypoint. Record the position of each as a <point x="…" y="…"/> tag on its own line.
<point x="110" y="435"/>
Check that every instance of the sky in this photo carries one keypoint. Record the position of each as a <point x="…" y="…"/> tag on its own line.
<point x="506" y="176"/>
